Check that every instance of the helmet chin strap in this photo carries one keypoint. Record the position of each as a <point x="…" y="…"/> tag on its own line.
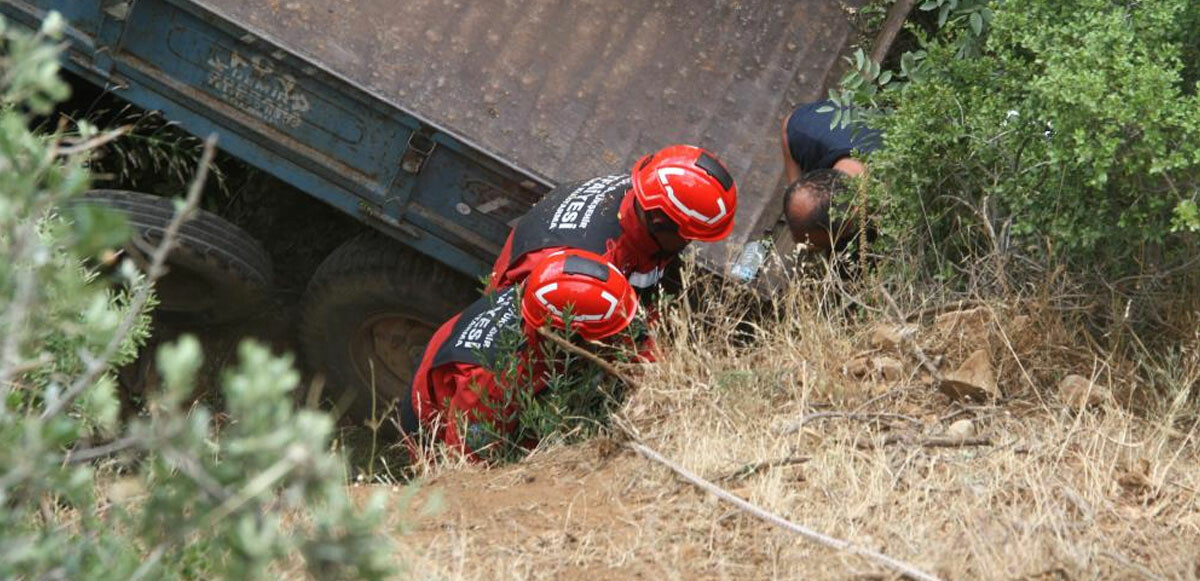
<point x="653" y="230"/>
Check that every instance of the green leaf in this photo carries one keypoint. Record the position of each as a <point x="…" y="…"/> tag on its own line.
<point x="1186" y="217"/>
<point x="97" y="228"/>
<point x="53" y="25"/>
<point x="976" y="23"/>
<point x="179" y="362"/>
<point x="930" y="5"/>
<point x="101" y="405"/>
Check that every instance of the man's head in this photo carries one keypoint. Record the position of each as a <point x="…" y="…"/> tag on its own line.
<point x="684" y="193"/>
<point x="806" y="205"/>
<point x="662" y="228"/>
<point x="599" y="299"/>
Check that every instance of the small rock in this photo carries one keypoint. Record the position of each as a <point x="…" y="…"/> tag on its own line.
<point x="974" y="379"/>
<point x="858" y="368"/>
<point x="961" y="429"/>
<point x="890" y="336"/>
<point x="891" y="369"/>
<point x="1019" y="323"/>
<point x="864" y="367"/>
<point x="969" y="321"/>
<point x="1136" y="479"/>
<point x="1078" y="391"/>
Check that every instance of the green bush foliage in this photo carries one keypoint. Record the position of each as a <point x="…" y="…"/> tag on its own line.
<point x="174" y="493"/>
<point x="1062" y="131"/>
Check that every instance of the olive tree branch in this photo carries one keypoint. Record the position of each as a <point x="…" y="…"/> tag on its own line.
<point x="97" y="365"/>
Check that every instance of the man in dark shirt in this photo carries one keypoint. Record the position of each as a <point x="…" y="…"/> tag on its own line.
<point x="818" y="161"/>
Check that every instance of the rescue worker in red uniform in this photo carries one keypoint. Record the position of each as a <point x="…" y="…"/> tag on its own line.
<point x="456" y="394"/>
<point x="639" y="222"/>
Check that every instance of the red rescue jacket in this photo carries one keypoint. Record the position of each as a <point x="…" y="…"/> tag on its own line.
<point x="454" y="394"/>
<point x="595" y="215"/>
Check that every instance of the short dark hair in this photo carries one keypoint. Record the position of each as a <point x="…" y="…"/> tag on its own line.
<point x="824" y="186"/>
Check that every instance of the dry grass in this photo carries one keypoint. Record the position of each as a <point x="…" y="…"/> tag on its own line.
<point x="1061" y="493"/>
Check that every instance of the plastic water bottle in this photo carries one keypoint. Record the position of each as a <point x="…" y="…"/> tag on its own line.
<point x="751" y="259"/>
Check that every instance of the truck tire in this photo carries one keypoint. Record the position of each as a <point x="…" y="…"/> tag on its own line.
<point x="217" y="272"/>
<point x="369" y="311"/>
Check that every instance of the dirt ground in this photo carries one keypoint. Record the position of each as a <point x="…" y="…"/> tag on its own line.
<point x="587" y="512"/>
<point x="1036" y="487"/>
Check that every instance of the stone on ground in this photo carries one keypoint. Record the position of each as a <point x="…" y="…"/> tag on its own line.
<point x="1078" y="391"/>
<point x="889" y="337"/>
<point x="974" y="379"/>
<point x="965" y="320"/>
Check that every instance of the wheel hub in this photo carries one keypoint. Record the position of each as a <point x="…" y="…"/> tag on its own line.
<point x="388" y="350"/>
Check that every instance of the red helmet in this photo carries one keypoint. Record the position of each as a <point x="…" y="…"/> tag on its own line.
<point x="691" y="187"/>
<point x="599" y="298"/>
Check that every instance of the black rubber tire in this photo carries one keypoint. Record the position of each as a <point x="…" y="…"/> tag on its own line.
<point x="374" y="278"/>
<point x="218" y="272"/>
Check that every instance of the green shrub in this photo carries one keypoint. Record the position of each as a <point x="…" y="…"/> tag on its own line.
<point x="185" y="498"/>
<point x="1074" y="125"/>
<point x="1042" y="133"/>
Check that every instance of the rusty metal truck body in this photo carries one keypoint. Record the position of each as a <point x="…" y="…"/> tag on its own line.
<point x="439" y="122"/>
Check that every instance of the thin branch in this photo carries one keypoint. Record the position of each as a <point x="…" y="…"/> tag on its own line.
<point x="258" y="485"/>
<point x="1138" y="568"/>
<point x="32" y="364"/>
<point x="878" y="398"/>
<point x="608" y="368"/>
<point x="932" y="442"/>
<point x="19" y="309"/>
<point x="1183" y="486"/>
<point x="230" y="503"/>
<point x="150" y="562"/>
<point x="774" y="519"/>
<point x="192" y="468"/>
<point x="891" y="28"/>
<point x="86" y="454"/>
<point x="837" y="285"/>
<point x="959" y="305"/>
<point x="24" y="241"/>
<point x="94" y="142"/>
<point x="98" y="365"/>
<point x="866" y="417"/>
<point x="753" y="468"/>
<point x="906" y="339"/>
